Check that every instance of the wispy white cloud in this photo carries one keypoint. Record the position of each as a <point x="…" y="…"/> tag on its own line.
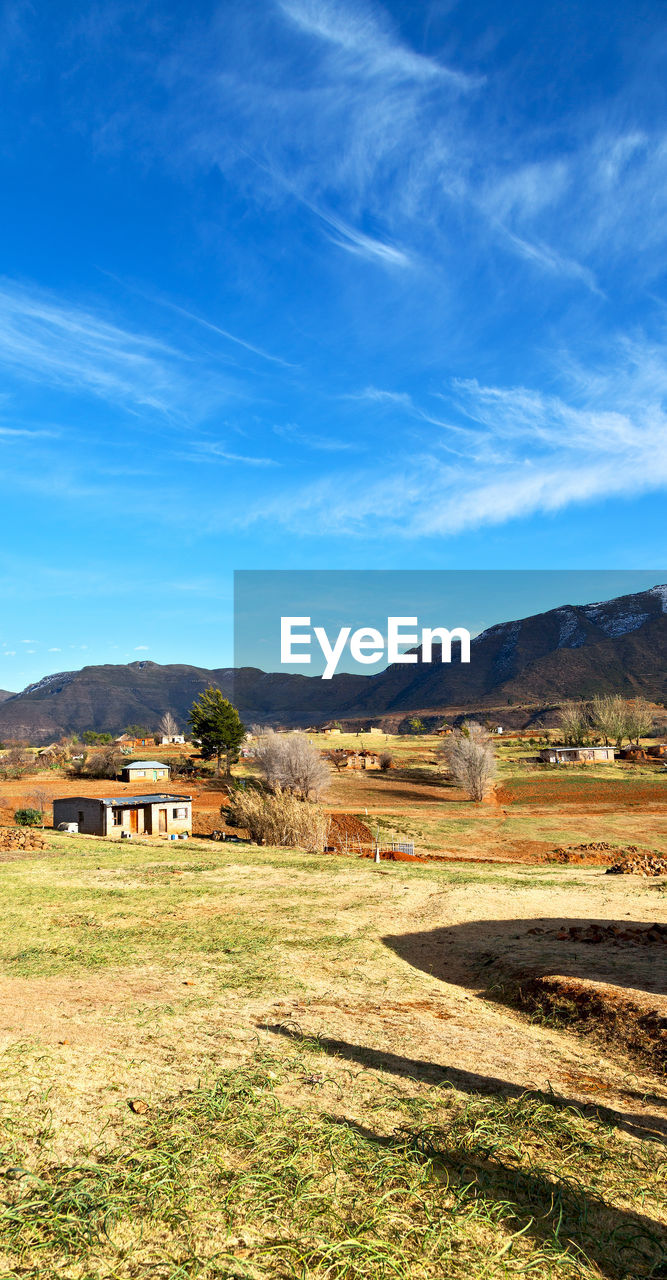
<point x="364" y="35"/>
<point x="46" y="339"/>
<point x="313" y="440"/>
<point x="10" y="433"/>
<point x="225" y="333"/>
<point x="212" y="449"/>
<point x="543" y="453"/>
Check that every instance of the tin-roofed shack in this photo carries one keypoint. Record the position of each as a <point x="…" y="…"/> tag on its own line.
<point x="153" y="770"/>
<point x="577" y="755"/>
<point x="151" y="815"/>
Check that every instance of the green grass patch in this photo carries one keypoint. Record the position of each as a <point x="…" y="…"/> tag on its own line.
<point x="232" y="1180"/>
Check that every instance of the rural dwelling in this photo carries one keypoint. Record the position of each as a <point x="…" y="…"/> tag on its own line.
<point x="346" y="758"/>
<point x="128" y="740"/>
<point x="156" y="815"/>
<point x="577" y="755"/>
<point x="168" y="740"/>
<point x="151" y="770"/>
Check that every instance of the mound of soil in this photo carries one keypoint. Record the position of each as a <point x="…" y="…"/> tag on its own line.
<point x="636" y="1022"/>
<point x="21" y="840"/>
<point x="347" y="834"/>
<point x="640" y="864"/>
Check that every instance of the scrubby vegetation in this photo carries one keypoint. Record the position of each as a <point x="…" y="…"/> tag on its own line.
<point x="278" y="818"/>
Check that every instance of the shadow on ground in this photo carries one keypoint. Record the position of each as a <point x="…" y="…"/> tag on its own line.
<point x="433" y="1073"/>
<point x="555" y="1213"/>
<point x="613" y="951"/>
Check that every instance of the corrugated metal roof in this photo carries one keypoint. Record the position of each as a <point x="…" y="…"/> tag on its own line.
<point x="146" y="764"/>
<point x="119" y="801"/>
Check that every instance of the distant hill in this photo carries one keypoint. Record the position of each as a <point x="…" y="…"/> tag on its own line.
<point x="574" y="651"/>
<point x="4" y="694"/>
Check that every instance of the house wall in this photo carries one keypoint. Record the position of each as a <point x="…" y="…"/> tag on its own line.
<point x="174" y="825"/>
<point x="98" y="819"/>
<point x="578" y="755"/>
<point x="70" y="809"/>
<point x="129" y="774"/>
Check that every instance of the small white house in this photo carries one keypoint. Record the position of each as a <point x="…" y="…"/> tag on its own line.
<point x="156" y="815"/>
<point x="145" y="770"/>
<point x="170" y="740"/>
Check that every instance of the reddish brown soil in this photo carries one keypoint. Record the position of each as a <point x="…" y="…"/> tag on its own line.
<point x="348" y="834"/>
<point x="611" y="793"/>
<point x="597" y="853"/>
<point x="630" y="1019"/>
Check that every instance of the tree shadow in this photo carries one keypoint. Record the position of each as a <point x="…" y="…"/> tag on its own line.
<point x="433" y="1073"/>
<point x="609" y="951"/>
<point x="557" y="1214"/>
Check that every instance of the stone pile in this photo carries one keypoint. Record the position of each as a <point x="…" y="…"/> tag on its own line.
<point x="20" y="839"/>
<point x="639" y="864"/>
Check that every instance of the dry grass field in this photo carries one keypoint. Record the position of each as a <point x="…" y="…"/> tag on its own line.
<point x="241" y="1062"/>
<point x="229" y="1061"/>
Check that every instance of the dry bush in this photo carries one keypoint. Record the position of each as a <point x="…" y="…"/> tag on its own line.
<point x="16" y="762"/>
<point x="290" y="762"/>
<point x="386" y="761"/>
<point x="278" y="819"/>
<point x="105" y="763"/>
<point x="470" y="759"/>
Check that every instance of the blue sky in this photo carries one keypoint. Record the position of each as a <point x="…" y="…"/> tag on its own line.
<point x="301" y="284"/>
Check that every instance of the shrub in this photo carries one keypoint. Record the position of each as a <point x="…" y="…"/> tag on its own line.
<point x="278" y="819"/>
<point x="104" y="763"/>
<point x="27" y="818"/>
<point x="386" y="761"/>
<point x="16" y="762"/>
<point x="471" y="760"/>
<point x="289" y="762"/>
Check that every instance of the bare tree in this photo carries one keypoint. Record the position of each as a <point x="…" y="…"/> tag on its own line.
<point x="291" y="762"/>
<point x="574" y="722"/>
<point x="470" y="758"/>
<point x="608" y="714"/>
<point x="638" y="719"/>
<point x="168" y="726"/>
<point x="39" y="799"/>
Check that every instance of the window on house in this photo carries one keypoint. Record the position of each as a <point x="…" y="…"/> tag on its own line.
<point x="180" y="813"/>
<point x="117" y="817"/>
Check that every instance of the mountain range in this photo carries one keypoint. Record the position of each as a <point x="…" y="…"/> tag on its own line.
<point x="574" y="651"/>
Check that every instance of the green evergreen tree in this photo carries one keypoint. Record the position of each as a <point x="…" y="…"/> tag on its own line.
<point x="216" y="724"/>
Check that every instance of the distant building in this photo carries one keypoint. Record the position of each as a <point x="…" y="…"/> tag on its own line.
<point x="346" y="758"/>
<point x="151" y="770"/>
<point x="577" y="755"/>
<point x="152" y="815"/>
<point x="168" y="740"/>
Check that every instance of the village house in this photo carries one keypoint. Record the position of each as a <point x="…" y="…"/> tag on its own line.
<point x="347" y="758"/>
<point x="151" y="770"/>
<point x="152" y="815"/>
<point x="168" y="740"/>
<point x="577" y="755"/>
